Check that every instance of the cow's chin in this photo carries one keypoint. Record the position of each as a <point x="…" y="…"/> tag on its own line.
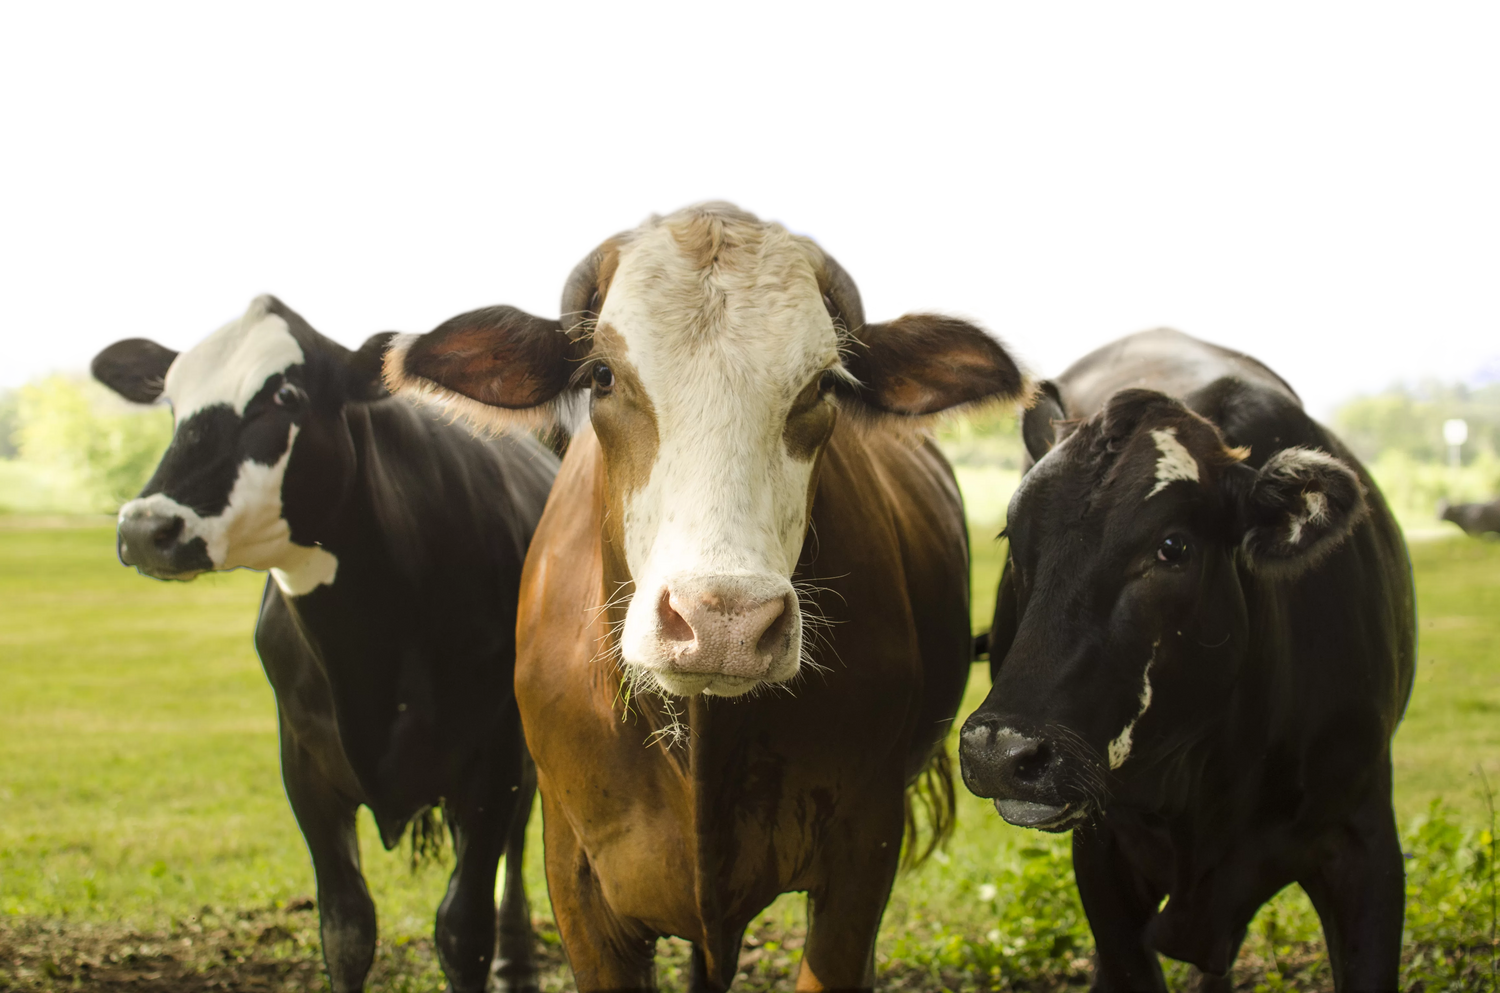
<point x="174" y="577"/>
<point x="1052" y="818"/>
<point x="680" y="683"/>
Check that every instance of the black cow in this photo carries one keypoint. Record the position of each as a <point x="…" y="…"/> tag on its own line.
<point x="1203" y="642"/>
<point x="1476" y="519"/>
<point x="387" y="628"/>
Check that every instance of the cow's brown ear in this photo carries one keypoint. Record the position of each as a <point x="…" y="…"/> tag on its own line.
<point x="135" y="368"/>
<point x="1039" y="422"/>
<point x="495" y="366"/>
<point x="924" y="360"/>
<point x="1298" y="508"/>
<point x="925" y="363"/>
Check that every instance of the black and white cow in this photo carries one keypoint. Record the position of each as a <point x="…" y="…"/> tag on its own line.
<point x="1203" y="642"/>
<point x="1477" y="519"/>
<point x="387" y="629"/>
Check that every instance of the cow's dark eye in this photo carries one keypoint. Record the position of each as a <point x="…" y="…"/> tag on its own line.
<point x="288" y="396"/>
<point x="828" y="382"/>
<point x="1173" y="549"/>
<point x="604" y="378"/>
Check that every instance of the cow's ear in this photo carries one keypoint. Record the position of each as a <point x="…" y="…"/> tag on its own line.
<point x="364" y="380"/>
<point x="498" y="366"/>
<point x="1296" y="509"/>
<point x="135" y="368"/>
<point x="1039" y="422"/>
<point x="925" y="363"/>
<point x="926" y="359"/>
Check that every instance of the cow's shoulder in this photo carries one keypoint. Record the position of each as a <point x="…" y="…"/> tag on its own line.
<point x="1257" y="416"/>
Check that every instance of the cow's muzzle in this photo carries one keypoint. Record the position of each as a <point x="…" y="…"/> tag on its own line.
<point x="154" y="544"/>
<point x="719" y="635"/>
<point x="1023" y="774"/>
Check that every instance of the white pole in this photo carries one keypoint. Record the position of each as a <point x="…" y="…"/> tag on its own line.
<point x="1455" y="433"/>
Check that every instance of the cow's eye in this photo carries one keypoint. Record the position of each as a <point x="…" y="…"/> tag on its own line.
<point x="1173" y="549"/>
<point x="604" y="378"/>
<point x="828" y="382"/>
<point x="288" y="396"/>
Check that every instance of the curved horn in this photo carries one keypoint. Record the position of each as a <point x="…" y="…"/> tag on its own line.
<point x="840" y="295"/>
<point x="583" y="293"/>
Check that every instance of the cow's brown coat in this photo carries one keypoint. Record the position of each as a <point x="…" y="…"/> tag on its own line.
<point x="789" y="790"/>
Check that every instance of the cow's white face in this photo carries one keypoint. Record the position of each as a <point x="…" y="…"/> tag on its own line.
<point x="714" y="370"/>
<point x="726" y="362"/>
<point x="215" y="501"/>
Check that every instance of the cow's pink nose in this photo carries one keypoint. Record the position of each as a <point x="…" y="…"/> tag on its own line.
<point x="713" y="633"/>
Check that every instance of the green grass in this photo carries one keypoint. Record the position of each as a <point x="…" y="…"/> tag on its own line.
<point x="139" y="783"/>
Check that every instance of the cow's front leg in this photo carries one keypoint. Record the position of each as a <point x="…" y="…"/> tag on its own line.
<point x="858" y="860"/>
<point x="1359" y="891"/>
<point x="605" y="952"/>
<point x="515" y="965"/>
<point x="346" y="914"/>
<point x="1119" y="906"/>
<point x="466" y="919"/>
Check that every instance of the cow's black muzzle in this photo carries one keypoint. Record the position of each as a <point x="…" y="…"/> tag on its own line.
<point x="1023" y="774"/>
<point x="153" y="544"/>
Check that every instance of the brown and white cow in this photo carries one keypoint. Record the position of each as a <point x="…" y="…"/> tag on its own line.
<point x="744" y="622"/>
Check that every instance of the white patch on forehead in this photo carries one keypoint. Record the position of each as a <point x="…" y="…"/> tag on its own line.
<point x="250" y="532"/>
<point x="721" y="349"/>
<point x="721" y="359"/>
<point x="1175" y="461"/>
<point x="231" y="365"/>
<point x="1119" y="749"/>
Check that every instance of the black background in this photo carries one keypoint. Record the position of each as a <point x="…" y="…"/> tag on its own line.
<point x="1322" y="287"/>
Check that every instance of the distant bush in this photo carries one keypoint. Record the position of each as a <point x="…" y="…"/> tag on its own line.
<point x="1413" y="488"/>
<point x="79" y="448"/>
<point x="987" y="436"/>
<point x="1410" y="421"/>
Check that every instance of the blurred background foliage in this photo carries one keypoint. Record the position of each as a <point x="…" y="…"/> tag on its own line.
<point x="69" y="446"/>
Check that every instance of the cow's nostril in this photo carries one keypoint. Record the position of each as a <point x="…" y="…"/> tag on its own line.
<point x="165" y="534"/>
<point x="1031" y="763"/>
<point x="775" y="632"/>
<point x="674" y="627"/>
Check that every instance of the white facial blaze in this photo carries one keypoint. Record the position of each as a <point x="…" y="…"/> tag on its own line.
<point x="1174" y="461"/>
<point x="1119" y="749"/>
<point x="724" y="507"/>
<point x="250" y="532"/>
<point x="231" y="365"/>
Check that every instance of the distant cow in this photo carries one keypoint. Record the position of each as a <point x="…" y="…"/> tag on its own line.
<point x="387" y="628"/>
<point x="1475" y="518"/>
<point x="1203" y="641"/>
<point x="744" y="624"/>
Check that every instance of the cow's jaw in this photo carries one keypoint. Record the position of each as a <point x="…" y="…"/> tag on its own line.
<point x="713" y="533"/>
<point x="249" y="533"/>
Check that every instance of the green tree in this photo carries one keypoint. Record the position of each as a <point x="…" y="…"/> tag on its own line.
<point x="107" y="447"/>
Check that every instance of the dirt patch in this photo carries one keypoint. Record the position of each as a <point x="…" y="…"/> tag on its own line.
<point x="276" y="950"/>
<point x="267" y="949"/>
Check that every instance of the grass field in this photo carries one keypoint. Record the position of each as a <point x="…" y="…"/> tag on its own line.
<point x="145" y="841"/>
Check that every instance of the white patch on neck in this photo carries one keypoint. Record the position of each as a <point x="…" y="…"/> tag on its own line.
<point x="250" y="532"/>
<point x="231" y="365"/>
<point x="1315" y="511"/>
<point x="1174" y="463"/>
<point x="1119" y="749"/>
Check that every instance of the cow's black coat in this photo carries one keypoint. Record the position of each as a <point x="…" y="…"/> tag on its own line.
<point x="1263" y="757"/>
<point x="393" y="683"/>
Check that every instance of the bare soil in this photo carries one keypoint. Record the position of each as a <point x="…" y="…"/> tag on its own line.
<point x="276" y="950"/>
